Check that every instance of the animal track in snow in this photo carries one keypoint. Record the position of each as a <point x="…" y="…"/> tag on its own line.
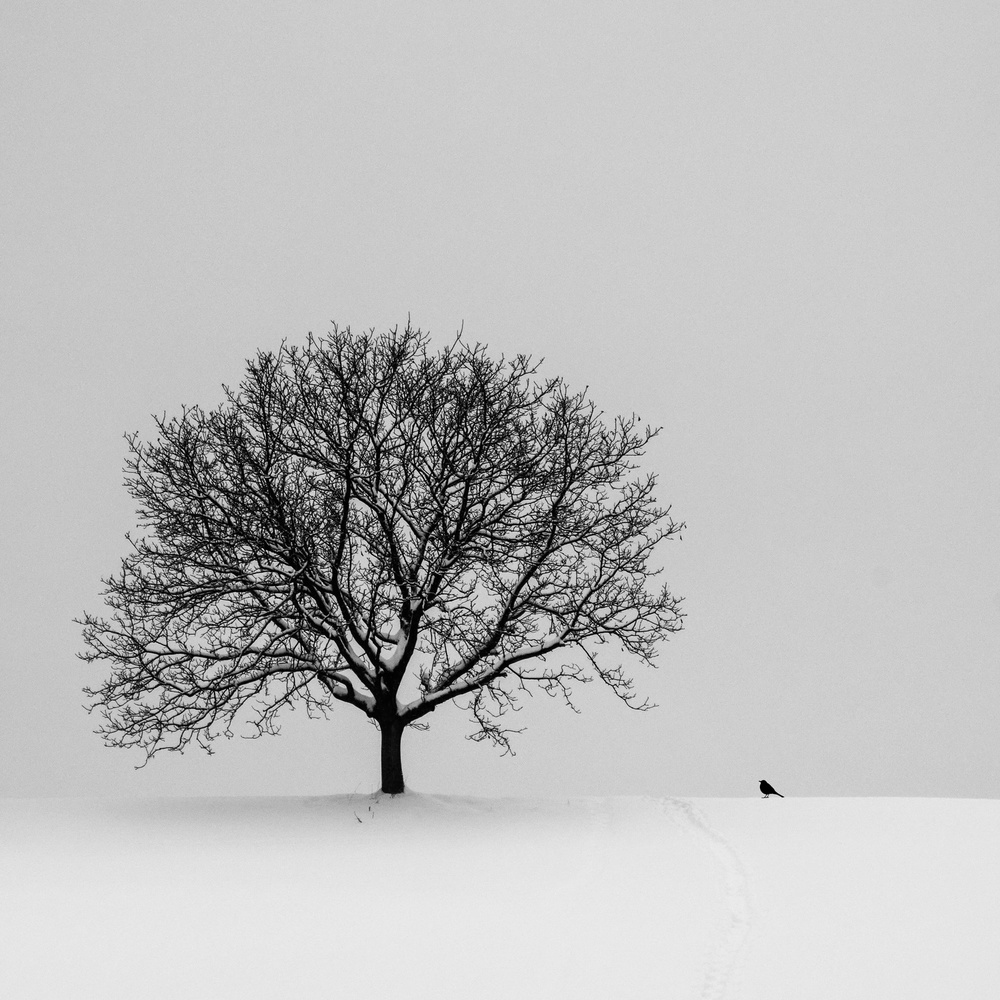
<point x="730" y="943"/>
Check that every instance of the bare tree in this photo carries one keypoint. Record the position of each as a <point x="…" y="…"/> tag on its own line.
<point x="369" y="522"/>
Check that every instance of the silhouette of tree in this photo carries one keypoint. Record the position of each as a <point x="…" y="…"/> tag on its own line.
<point x="368" y="522"/>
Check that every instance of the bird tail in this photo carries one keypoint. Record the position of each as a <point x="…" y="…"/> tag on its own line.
<point x="780" y="796"/>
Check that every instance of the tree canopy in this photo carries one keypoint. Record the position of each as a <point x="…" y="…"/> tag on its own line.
<point x="370" y="522"/>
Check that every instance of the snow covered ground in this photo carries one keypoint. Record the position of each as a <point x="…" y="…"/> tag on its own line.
<point x="435" y="896"/>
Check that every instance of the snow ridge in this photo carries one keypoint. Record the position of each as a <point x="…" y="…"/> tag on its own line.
<point x="722" y="967"/>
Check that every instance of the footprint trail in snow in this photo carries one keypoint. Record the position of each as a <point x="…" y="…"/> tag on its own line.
<point x="724" y="962"/>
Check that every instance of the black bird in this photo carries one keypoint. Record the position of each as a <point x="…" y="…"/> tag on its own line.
<point x="768" y="790"/>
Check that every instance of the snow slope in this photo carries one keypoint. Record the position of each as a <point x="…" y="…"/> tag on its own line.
<point x="434" y="896"/>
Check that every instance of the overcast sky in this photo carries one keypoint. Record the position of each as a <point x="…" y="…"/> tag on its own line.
<point x="770" y="228"/>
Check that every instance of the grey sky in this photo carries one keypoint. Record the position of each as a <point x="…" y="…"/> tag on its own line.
<point x="772" y="229"/>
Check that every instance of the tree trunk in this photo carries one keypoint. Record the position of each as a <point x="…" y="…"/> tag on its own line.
<point x="392" y="759"/>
